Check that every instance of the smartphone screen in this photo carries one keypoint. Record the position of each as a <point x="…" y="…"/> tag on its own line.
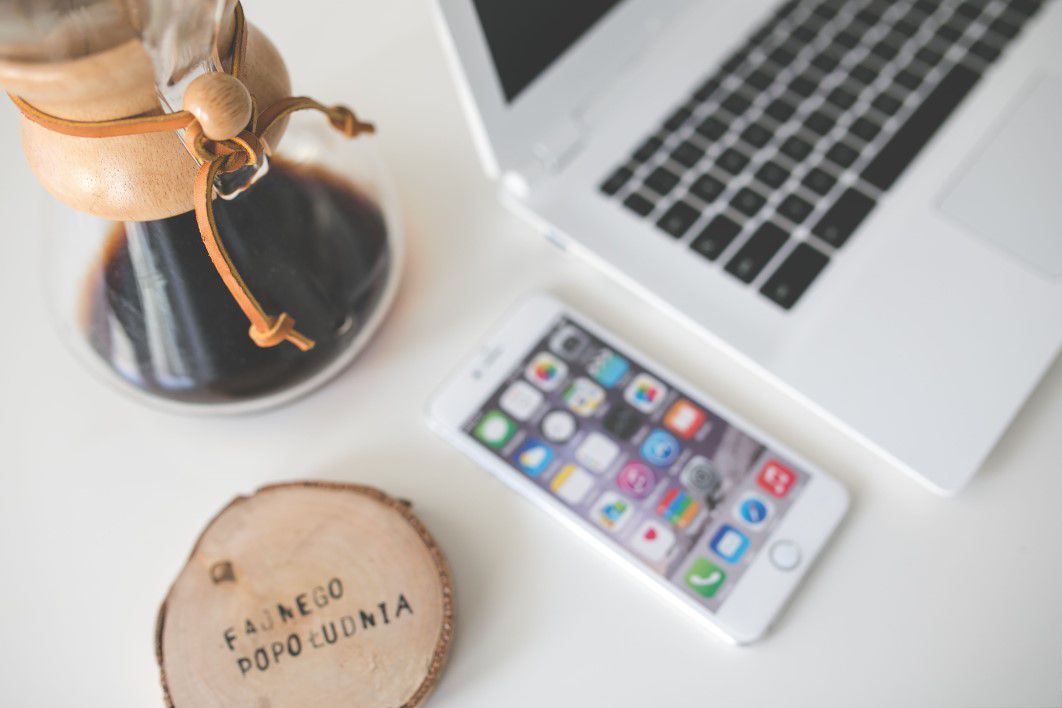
<point x="647" y="464"/>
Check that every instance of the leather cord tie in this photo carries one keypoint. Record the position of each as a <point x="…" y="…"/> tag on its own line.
<point x="216" y="158"/>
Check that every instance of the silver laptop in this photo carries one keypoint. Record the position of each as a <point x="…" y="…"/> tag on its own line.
<point x="862" y="199"/>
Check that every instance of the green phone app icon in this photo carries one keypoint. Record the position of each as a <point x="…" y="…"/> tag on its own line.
<point x="705" y="577"/>
<point x="495" y="429"/>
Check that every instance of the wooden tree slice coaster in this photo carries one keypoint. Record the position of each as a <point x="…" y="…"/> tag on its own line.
<point x="307" y="594"/>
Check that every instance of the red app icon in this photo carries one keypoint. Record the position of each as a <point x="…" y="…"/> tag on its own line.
<point x="776" y="478"/>
<point x="685" y="419"/>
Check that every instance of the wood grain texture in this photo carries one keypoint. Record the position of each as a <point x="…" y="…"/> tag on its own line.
<point x="220" y="103"/>
<point x="303" y="557"/>
<point x="137" y="178"/>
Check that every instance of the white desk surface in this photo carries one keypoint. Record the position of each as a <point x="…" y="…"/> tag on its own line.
<point x="921" y="600"/>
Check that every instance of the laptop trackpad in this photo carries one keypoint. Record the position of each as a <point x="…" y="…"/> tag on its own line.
<point x="1009" y="193"/>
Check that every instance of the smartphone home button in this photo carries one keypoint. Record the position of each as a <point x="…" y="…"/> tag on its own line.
<point x="785" y="555"/>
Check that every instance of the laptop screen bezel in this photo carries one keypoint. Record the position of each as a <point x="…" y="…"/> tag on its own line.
<point x="506" y="133"/>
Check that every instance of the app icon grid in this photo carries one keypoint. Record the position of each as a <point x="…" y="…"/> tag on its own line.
<point x="693" y="519"/>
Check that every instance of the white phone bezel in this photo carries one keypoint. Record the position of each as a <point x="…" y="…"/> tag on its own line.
<point x="761" y="592"/>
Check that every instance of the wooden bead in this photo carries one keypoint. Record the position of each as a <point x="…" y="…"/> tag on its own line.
<point x="221" y="104"/>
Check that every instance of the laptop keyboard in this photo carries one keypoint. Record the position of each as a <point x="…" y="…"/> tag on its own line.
<point x="774" y="161"/>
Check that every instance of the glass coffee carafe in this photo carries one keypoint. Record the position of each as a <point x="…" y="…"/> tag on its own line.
<point x="307" y="226"/>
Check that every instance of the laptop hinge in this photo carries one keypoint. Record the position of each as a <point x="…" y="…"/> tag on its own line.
<point x="554" y="150"/>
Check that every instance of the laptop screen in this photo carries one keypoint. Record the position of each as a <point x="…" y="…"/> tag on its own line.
<point x="526" y="37"/>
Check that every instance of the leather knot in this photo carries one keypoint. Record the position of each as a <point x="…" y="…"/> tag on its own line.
<point x="280" y="329"/>
<point x="240" y="151"/>
<point x="344" y="120"/>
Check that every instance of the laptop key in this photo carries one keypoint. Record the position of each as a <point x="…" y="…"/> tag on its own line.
<point x="912" y="136"/>
<point x="908" y="79"/>
<point x="616" y="181"/>
<point x="676" y="119"/>
<point x="864" y="129"/>
<point x="1027" y="8"/>
<point x="759" y="80"/>
<point x="687" y="154"/>
<point x="707" y="188"/>
<point x="638" y="204"/>
<point x="781" y="56"/>
<point x="841" y="97"/>
<point x="678" y="219"/>
<point x="791" y="280"/>
<point x="864" y="74"/>
<point x="825" y="62"/>
<point x="715" y="237"/>
<point x="905" y="28"/>
<point x="712" y="128"/>
<point x="927" y="6"/>
<point x="843" y="155"/>
<point x="747" y="201"/>
<point x="780" y="109"/>
<point x="756" y="252"/>
<point x="648" y="149"/>
<point x="756" y="135"/>
<point x="885" y="51"/>
<point x="843" y="218"/>
<point x="814" y="22"/>
<point x="795" y="148"/>
<point x="868" y="15"/>
<point x="985" y="51"/>
<point x="734" y="63"/>
<point x="792" y="45"/>
<point x="969" y="10"/>
<point x="928" y="55"/>
<point x="1004" y="29"/>
<point x="887" y="103"/>
<point x="786" y="9"/>
<point x="803" y="86"/>
<point x="959" y="22"/>
<point x="761" y="35"/>
<point x="819" y="181"/>
<point x="846" y="39"/>
<point x="826" y="11"/>
<point x="916" y="14"/>
<point x="948" y="33"/>
<point x="732" y="161"/>
<point x="661" y="180"/>
<point x="795" y="209"/>
<point x="804" y="33"/>
<point x="736" y="103"/>
<point x="706" y="89"/>
<point x="772" y="174"/>
<point x="819" y="122"/>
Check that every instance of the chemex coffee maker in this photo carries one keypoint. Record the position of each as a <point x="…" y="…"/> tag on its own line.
<point x="208" y="257"/>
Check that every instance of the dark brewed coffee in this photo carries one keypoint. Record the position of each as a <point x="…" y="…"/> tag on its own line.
<point x="305" y="241"/>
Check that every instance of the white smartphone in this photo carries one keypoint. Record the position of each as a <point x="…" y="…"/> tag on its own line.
<point x="698" y="503"/>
